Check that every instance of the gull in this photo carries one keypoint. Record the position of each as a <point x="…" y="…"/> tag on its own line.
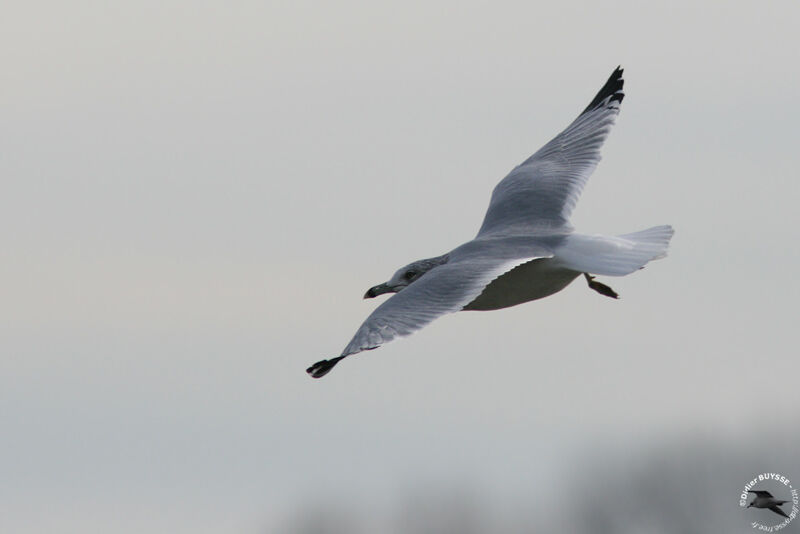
<point x="526" y="248"/>
<point x="764" y="499"/>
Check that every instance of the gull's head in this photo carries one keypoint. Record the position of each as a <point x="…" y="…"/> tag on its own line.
<point x="406" y="276"/>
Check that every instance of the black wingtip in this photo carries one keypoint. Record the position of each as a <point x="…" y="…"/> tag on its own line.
<point x="612" y="88"/>
<point x="323" y="367"/>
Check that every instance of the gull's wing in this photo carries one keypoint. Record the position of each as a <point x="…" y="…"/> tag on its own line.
<point x="777" y="510"/>
<point x="442" y="290"/>
<point x="760" y="493"/>
<point x="543" y="190"/>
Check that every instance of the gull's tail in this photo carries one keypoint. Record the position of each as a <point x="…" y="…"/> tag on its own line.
<point x="614" y="255"/>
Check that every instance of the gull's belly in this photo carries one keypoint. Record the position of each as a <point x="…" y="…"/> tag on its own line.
<point x="529" y="281"/>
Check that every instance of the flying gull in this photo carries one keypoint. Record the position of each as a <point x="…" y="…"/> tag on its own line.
<point x="764" y="499"/>
<point x="526" y="249"/>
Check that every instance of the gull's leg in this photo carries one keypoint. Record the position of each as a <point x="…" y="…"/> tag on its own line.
<point x="600" y="288"/>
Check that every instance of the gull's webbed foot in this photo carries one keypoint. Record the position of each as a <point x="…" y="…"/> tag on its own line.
<point x="600" y="288"/>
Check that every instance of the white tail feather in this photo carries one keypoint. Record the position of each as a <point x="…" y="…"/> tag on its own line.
<point x="614" y="255"/>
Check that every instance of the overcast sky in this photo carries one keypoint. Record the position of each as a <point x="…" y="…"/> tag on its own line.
<point x="196" y="195"/>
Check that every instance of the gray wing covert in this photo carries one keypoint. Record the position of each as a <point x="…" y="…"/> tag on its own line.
<point x="543" y="190"/>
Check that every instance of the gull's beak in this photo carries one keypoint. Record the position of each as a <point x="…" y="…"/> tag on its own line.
<point x="377" y="290"/>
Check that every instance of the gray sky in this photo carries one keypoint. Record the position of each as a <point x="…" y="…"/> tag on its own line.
<point x="196" y="195"/>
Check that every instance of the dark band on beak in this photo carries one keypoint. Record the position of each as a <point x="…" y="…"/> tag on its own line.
<point x="377" y="290"/>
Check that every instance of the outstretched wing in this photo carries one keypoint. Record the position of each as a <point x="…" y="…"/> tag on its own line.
<point x="543" y="190"/>
<point x="442" y="290"/>
<point x="760" y="493"/>
<point x="778" y="511"/>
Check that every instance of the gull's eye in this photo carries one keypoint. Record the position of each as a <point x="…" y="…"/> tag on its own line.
<point x="409" y="275"/>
